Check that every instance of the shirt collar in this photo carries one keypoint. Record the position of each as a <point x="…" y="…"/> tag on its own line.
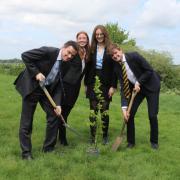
<point x="124" y="58"/>
<point x="59" y="58"/>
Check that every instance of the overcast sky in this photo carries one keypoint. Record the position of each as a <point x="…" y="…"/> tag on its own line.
<point x="27" y="24"/>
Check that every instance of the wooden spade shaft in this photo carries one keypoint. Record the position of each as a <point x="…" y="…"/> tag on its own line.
<point x="54" y="106"/>
<point x="118" y="140"/>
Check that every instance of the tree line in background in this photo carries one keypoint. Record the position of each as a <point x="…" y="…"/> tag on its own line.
<point x="162" y="62"/>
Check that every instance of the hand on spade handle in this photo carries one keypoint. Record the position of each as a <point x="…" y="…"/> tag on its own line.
<point x="119" y="138"/>
<point x="126" y="112"/>
<point x="125" y="115"/>
<point x="40" y="77"/>
<point x="58" y="109"/>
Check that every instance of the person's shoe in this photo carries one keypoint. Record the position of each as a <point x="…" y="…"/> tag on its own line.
<point x="130" y="145"/>
<point x="27" y="157"/>
<point x="64" y="142"/>
<point x="105" y="141"/>
<point x="48" y="150"/>
<point x="92" y="140"/>
<point x="154" y="146"/>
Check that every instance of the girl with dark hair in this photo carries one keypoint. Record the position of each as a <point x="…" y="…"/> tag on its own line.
<point x="101" y="65"/>
<point x="72" y="73"/>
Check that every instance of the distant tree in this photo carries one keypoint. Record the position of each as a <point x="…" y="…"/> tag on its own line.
<point x="14" y="60"/>
<point x="119" y="35"/>
<point x="162" y="62"/>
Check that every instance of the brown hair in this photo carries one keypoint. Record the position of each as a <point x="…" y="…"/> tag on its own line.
<point x="112" y="47"/>
<point x="107" y="41"/>
<point x="73" y="44"/>
<point x="87" y="47"/>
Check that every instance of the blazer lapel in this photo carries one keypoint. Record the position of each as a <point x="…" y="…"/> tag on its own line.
<point x="128" y="60"/>
<point x="133" y="66"/>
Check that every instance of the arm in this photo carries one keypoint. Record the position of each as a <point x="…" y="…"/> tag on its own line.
<point x="114" y="83"/>
<point x="86" y="76"/>
<point x="114" y="79"/>
<point x="145" y="67"/>
<point x="30" y="58"/>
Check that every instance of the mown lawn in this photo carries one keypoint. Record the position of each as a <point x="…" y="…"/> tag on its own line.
<point x="73" y="162"/>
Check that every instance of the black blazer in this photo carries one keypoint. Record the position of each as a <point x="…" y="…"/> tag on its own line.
<point x="108" y="78"/>
<point x="72" y="70"/>
<point x="146" y="76"/>
<point x="72" y="75"/>
<point x="36" y="61"/>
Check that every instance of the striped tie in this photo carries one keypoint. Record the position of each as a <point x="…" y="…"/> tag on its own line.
<point x="126" y="89"/>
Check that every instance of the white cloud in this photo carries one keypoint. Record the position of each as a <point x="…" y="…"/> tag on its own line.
<point x="160" y="14"/>
<point x="32" y="23"/>
<point x="36" y="12"/>
<point x="60" y="17"/>
<point x="157" y="26"/>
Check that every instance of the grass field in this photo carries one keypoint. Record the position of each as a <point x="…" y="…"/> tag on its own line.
<point x="73" y="162"/>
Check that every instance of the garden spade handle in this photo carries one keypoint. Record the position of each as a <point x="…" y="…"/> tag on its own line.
<point x="129" y="109"/>
<point x="119" y="138"/>
<point x="134" y="92"/>
<point x="41" y="83"/>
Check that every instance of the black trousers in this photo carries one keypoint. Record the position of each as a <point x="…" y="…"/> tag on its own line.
<point x="26" y="123"/>
<point x="153" y="108"/>
<point x="66" y="109"/>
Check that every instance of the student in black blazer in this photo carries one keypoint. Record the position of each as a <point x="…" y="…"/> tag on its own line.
<point x="39" y="63"/>
<point x="146" y="82"/>
<point x="72" y="73"/>
<point x="101" y="65"/>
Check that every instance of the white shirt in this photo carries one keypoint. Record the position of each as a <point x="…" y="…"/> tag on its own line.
<point x="99" y="58"/>
<point x="83" y="65"/>
<point x="59" y="56"/>
<point x="130" y="74"/>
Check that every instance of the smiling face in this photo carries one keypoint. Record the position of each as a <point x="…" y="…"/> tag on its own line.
<point x="117" y="55"/>
<point x="99" y="36"/>
<point x="68" y="53"/>
<point x="82" y="40"/>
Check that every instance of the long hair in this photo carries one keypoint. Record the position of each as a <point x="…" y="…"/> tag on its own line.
<point x="107" y="41"/>
<point x="87" y="46"/>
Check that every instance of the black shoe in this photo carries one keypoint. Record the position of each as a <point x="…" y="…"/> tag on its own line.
<point x="105" y="141"/>
<point x="92" y="140"/>
<point x="64" y="142"/>
<point x="154" y="146"/>
<point x="130" y="145"/>
<point x="27" y="157"/>
<point x="48" y="150"/>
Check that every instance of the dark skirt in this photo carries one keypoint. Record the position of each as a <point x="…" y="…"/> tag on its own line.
<point x="90" y="93"/>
